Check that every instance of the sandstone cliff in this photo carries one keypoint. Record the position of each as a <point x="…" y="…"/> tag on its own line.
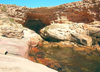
<point x="85" y="11"/>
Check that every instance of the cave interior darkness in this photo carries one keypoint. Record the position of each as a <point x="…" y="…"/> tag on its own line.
<point x="35" y="25"/>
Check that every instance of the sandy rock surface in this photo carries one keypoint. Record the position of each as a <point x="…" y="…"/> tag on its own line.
<point x="18" y="64"/>
<point x="14" y="46"/>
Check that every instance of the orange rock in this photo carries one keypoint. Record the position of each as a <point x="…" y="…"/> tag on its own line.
<point x="49" y="62"/>
<point x="31" y="58"/>
<point x="59" y="55"/>
<point x="35" y="50"/>
<point x="40" y="44"/>
<point x="30" y="51"/>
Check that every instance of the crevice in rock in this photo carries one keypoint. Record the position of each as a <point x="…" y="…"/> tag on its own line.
<point x="6" y="52"/>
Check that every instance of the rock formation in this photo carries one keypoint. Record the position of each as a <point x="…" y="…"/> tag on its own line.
<point x="72" y="32"/>
<point x="78" y="32"/>
<point x="85" y="11"/>
<point x="66" y="32"/>
<point x="17" y="64"/>
<point x="13" y="33"/>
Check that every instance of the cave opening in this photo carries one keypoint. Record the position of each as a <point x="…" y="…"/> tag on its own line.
<point x="35" y="25"/>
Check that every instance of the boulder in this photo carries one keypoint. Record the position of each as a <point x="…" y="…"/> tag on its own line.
<point x="56" y="32"/>
<point x="67" y="32"/>
<point x="31" y="34"/>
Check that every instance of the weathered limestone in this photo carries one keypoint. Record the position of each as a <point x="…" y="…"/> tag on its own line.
<point x="83" y="39"/>
<point x="94" y="31"/>
<point x="82" y="11"/>
<point x="13" y="32"/>
<point x="76" y="12"/>
<point x="56" y="31"/>
<point x="79" y="32"/>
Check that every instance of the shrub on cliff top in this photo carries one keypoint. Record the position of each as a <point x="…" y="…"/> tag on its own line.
<point x="3" y="8"/>
<point x="14" y="4"/>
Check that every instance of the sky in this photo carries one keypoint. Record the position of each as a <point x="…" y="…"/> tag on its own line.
<point x="37" y="3"/>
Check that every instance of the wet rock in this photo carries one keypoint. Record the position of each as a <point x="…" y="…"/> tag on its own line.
<point x="65" y="56"/>
<point x="38" y="56"/>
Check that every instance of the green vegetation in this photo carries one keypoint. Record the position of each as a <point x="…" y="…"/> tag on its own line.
<point x="3" y="8"/>
<point x="12" y="20"/>
<point x="14" y="4"/>
<point x="45" y="30"/>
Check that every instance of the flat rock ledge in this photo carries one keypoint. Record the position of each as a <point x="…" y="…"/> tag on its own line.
<point x="17" y="64"/>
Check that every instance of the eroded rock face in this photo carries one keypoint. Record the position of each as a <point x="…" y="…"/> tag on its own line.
<point x="36" y="18"/>
<point x="67" y="32"/>
<point x="82" y="11"/>
<point x="78" y="32"/>
<point x="56" y="31"/>
<point x="13" y="33"/>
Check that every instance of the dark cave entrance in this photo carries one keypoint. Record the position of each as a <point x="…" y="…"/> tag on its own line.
<point x="35" y="25"/>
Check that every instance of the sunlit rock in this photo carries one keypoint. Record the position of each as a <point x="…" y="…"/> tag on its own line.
<point x="67" y="32"/>
<point x="18" y="64"/>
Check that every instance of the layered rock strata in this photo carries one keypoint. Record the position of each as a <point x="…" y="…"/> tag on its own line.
<point x="13" y="33"/>
<point x="82" y="11"/>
